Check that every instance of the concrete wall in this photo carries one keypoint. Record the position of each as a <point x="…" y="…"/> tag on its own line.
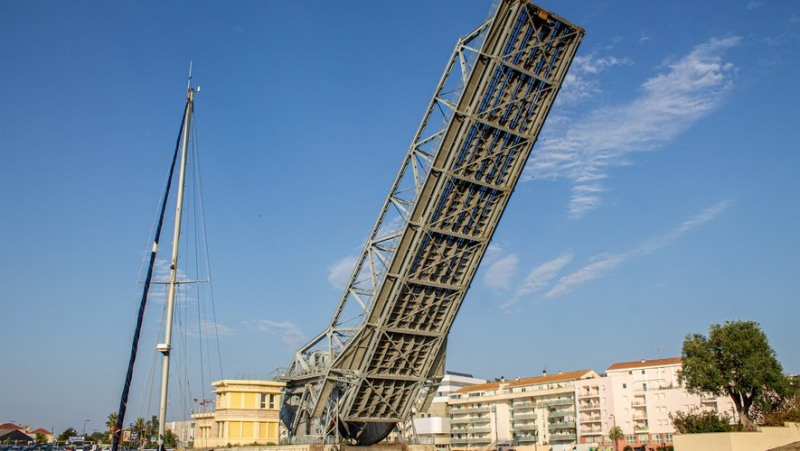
<point x="762" y="440"/>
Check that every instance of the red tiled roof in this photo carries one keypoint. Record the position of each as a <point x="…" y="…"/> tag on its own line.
<point x="10" y="426"/>
<point x="527" y="381"/>
<point x="479" y="387"/>
<point x="42" y="430"/>
<point x="645" y="363"/>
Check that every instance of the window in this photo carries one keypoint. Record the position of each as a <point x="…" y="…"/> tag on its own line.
<point x="271" y="401"/>
<point x="657" y="438"/>
<point x="642" y="438"/>
<point x="668" y="438"/>
<point x="263" y="400"/>
<point x="220" y="429"/>
<point x="643" y="372"/>
<point x="624" y="385"/>
<point x="630" y="439"/>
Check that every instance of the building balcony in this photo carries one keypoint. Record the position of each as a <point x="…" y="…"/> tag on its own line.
<point x="640" y="428"/>
<point x="524" y="416"/>
<point x="560" y="402"/>
<point x="485" y="419"/>
<point x="563" y="425"/>
<point x="589" y="394"/>
<point x="590" y="419"/>
<point x="525" y="427"/>
<point x="458" y="441"/>
<point x="484" y="409"/>
<point x="523" y="405"/>
<point x="562" y="437"/>
<point x="479" y="439"/>
<point x="589" y="406"/>
<point x="481" y="429"/>
<point x="560" y="413"/>
<point x="459" y="420"/>
<point x="526" y="438"/>
<point x="595" y="431"/>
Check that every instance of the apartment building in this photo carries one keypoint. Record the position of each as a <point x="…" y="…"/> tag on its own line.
<point x="521" y="412"/>
<point x="433" y="426"/>
<point x="638" y="397"/>
<point x="577" y="408"/>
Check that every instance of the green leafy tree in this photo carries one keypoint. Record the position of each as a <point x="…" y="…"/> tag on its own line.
<point x="68" y="432"/>
<point x="96" y="436"/>
<point x="111" y="424"/>
<point x="615" y="435"/>
<point x="40" y="438"/>
<point x="700" y="422"/>
<point x="734" y="360"/>
<point x="152" y="427"/>
<point x="170" y="439"/>
<point x="139" y="427"/>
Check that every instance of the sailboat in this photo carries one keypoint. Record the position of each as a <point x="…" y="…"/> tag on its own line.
<point x="164" y="348"/>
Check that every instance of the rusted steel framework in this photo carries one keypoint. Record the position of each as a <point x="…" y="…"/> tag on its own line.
<point x="384" y="350"/>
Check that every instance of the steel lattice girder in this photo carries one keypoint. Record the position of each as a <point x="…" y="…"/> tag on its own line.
<point x="386" y="341"/>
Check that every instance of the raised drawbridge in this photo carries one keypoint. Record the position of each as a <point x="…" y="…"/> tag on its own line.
<point x="383" y="353"/>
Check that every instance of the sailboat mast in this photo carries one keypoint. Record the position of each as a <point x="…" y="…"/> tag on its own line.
<point x="165" y="348"/>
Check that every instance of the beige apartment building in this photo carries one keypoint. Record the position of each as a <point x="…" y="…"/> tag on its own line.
<point x="643" y="393"/>
<point x="246" y="412"/>
<point x="523" y="412"/>
<point x="577" y="410"/>
<point x="433" y="426"/>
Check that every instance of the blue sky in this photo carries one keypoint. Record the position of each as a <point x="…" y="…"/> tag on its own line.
<point x="662" y="195"/>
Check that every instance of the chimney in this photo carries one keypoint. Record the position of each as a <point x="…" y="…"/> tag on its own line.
<point x="544" y="372"/>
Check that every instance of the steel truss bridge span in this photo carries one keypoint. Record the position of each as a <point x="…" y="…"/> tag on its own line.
<point x="383" y="353"/>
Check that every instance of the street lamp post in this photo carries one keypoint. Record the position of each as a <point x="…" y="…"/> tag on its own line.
<point x="84" y="426"/>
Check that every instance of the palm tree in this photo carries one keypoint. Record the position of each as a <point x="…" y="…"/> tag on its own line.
<point x="139" y="426"/>
<point x="111" y="424"/>
<point x="616" y="434"/>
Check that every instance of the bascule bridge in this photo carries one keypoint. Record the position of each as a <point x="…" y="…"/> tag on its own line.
<point x="383" y="352"/>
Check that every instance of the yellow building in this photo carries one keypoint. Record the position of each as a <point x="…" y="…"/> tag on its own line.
<point x="246" y="412"/>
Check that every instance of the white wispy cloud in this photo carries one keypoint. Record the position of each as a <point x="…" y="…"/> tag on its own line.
<point x="581" y="82"/>
<point x="209" y="330"/>
<point x="668" y="104"/>
<point x="605" y="263"/>
<point x="493" y="252"/>
<point x="539" y="278"/>
<point x="499" y="274"/>
<point x="340" y="271"/>
<point x="585" y="274"/>
<point x="289" y="333"/>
